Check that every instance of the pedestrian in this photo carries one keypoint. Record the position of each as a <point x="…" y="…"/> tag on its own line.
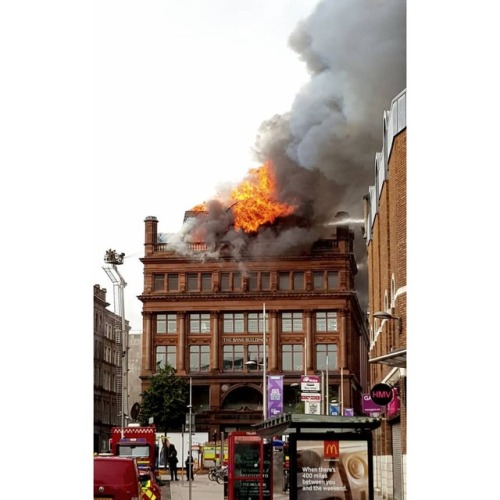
<point x="164" y="453"/>
<point x="189" y="467"/>
<point x="172" y="462"/>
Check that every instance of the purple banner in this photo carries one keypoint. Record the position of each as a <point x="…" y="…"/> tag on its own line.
<point x="368" y="406"/>
<point x="274" y="395"/>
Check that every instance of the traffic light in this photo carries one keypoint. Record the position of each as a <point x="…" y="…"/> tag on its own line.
<point x="214" y="435"/>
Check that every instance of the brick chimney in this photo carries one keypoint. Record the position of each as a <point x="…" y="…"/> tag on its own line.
<point x="151" y="235"/>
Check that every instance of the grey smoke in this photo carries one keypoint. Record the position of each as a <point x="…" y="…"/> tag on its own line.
<point x="324" y="148"/>
<point x="355" y="51"/>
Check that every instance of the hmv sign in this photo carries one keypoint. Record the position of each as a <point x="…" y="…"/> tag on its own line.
<point x="381" y="394"/>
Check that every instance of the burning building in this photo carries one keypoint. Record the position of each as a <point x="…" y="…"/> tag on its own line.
<point x="276" y="258"/>
<point x="242" y="270"/>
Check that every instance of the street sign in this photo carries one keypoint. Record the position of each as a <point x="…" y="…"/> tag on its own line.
<point x="381" y="394"/>
<point x="310" y="396"/>
<point x="334" y="409"/>
<point x="310" y="383"/>
<point x="312" y="408"/>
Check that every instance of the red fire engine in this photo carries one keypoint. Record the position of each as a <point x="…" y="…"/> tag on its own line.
<point x="137" y="442"/>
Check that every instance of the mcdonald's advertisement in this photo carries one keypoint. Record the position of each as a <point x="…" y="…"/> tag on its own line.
<point x="332" y="469"/>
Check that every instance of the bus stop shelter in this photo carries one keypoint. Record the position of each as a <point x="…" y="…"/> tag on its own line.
<point x="331" y="457"/>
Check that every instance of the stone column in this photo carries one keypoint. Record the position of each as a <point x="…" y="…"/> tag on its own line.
<point x="215" y="343"/>
<point x="181" y="344"/>
<point x="147" y="342"/>
<point x="309" y="342"/>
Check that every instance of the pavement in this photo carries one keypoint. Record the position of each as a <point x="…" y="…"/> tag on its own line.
<point x="201" y="489"/>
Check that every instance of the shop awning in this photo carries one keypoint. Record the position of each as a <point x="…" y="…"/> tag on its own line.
<point x="289" y="423"/>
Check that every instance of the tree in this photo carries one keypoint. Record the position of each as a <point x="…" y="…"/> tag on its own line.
<point x="166" y="400"/>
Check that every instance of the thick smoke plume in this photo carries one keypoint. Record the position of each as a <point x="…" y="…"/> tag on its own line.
<point x="324" y="148"/>
<point x="355" y="51"/>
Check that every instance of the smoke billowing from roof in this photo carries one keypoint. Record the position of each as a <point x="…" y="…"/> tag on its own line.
<point x="323" y="149"/>
<point x="355" y="51"/>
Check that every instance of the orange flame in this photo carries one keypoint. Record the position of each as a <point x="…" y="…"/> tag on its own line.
<point x="254" y="204"/>
<point x="199" y="208"/>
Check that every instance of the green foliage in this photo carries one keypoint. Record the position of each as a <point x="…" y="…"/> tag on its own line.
<point x="166" y="400"/>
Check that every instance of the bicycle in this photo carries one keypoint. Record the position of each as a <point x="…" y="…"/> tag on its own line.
<point x="217" y="473"/>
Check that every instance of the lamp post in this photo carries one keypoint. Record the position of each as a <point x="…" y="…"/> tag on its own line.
<point x="264" y="375"/>
<point x="263" y="364"/>
<point x="327" y="391"/>
<point x="389" y="316"/>
<point x="264" y="385"/>
<point x="190" y="446"/>
<point x="112" y="259"/>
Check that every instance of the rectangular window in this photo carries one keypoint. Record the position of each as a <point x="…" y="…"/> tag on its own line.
<point x="237" y="281"/>
<point x="293" y="357"/>
<point x="166" y="323"/>
<point x="253" y="284"/>
<point x="291" y="322"/>
<point x="298" y="281"/>
<point x="333" y="280"/>
<point x="265" y="281"/>
<point x="230" y="282"/>
<point x="192" y="282"/>
<point x="284" y="281"/>
<point x="161" y="323"/>
<point x="199" y="358"/>
<point x="173" y="282"/>
<point x="225" y="282"/>
<point x="107" y="354"/>
<point x="326" y="321"/>
<point x="256" y="354"/>
<point x="166" y="354"/>
<point x="158" y="282"/>
<point x="206" y="282"/>
<point x="199" y="323"/>
<point x="318" y="280"/>
<point x="322" y="352"/>
<point x="233" y="358"/>
<point x="233" y="323"/>
<point x="171" y="323"/>
<point x="255" y="323"/>
<point x="109" y="331"/>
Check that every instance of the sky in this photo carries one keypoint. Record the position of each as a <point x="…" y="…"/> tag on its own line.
<point x="187" y="96"/>
<point x="95" y="97"/>
<point x="180" y="90"/>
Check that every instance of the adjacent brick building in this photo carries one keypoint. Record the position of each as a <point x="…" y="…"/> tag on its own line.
<point x="107" y="369"/>
<point x="385" y="233"/>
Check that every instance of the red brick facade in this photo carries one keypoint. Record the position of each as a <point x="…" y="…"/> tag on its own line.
<point x="386" y="243"/>
<point x="228" y="396"/>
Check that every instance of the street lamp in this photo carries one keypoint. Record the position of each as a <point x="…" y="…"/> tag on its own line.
<point x="112" y="259"/>
<point x="389" y="316"/>
<point x="190" y="429"/>
<point x="264" y="374"/>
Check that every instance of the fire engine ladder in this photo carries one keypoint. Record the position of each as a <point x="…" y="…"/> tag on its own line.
<point x="118" y="357"/>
